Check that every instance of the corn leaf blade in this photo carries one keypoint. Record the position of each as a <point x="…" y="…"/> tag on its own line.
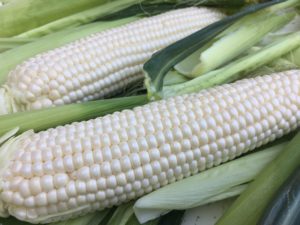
<point x="46" y="118"/>
<point x="237" y="42"/>
<point x="79" y="18"/>
<point x="156" y="68"/>
<point x="237" y="69"/>
<point x="122" y="214"/>
<point x="18" y="16"/>
<point x="263" y="188"/>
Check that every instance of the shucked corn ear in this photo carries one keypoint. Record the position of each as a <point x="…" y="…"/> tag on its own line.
<point x="99" y="65"/>
<point x="85" y="166"/>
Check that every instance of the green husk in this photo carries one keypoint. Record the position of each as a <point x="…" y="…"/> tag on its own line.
<point x="7" y="135"/>
<point x="9" y="43"/>
<point x="220" y="3"/>
<point x="89" y="219"/>
<point x="11" y="58"/>
<point x="289" y="61"/>
<point x="294" y="57"/>
<point x="237" y="69"/>
<point x="261" y="191"/>
<point x="18" y="16"/>
<point x="250" y="32"/>
<point x="213" y="184"/>
<point x="40" y="17"/>
<point x="173" y="77"/>
<point x="144" y="9"/>
<point x="3" y="2"/>
<point x="107" y="218"/>
<point x="122" y="214"/>
<point x="52" y="117"/>
<point x="80" y="18"/>
<point x="284" y="209"/>
<point x="134" y="221"/>
<point x="232" y="192"/>
<point x="162" y="62"/>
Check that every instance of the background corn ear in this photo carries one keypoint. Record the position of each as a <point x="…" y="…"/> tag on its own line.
<point x="99" y="65"/>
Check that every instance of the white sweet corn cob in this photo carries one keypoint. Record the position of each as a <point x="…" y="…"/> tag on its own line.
<point x="99" y="65"/>
<point x="87" y="166"/>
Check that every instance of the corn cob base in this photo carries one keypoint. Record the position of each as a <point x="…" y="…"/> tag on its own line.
<point x="87" y="166"/>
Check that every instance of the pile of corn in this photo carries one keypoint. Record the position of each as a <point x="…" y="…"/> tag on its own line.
<point x="210" y="89"/>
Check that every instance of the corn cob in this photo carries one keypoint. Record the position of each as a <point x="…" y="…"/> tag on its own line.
<point x="86" y="166"/>
<point x="99" y="65"/>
